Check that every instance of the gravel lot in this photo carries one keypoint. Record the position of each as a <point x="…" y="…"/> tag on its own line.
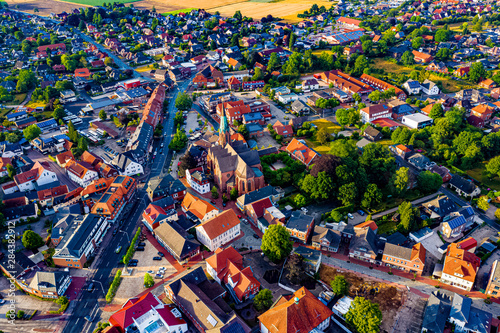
<point x="432" y="244"/>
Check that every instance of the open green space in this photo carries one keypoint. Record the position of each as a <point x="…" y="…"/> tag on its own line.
<point x="98" y="2"/>
<point x="173" y="12"/>
<point x="481" y="175"/>
<point x="5" y="111"/>
<point x="330" y="127"/>
<point x="18" y="99"/>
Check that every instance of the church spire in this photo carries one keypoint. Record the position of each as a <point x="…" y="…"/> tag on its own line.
<point x="224" y="135"/>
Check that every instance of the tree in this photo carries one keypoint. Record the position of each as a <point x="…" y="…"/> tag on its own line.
<point x="408" y="58"/>
<point x="102" y="115"/>
<point x="323" y="136"/>
<point x="356" y="97"/>
<point x="417" y="42"/>
<point x="274" y="62"/>
<point x="72" y="133"/>
<point x="258" y="75"/>
<point x="25" y="80"/>
<point x="429" y="182"/>
<point x="483" y="204"/>
<point x="233" y="194"/>
<point x="108" y="61"/>
<point x="263" y="300"/>
<point x="442" y="35"/>
<point x="336" y="216"/>
<point x="348" y="193"/>
<point x="148" y="281"/>
<point x="372" y="196"/>
<point x="320" y="187"/>
<point x="359" y="65"/>
<point x="364" y="316"/>
<point x="436" y="111"/>
<point x="179" y="140"/>
<point x="187" y="161"/>
<point x="477" y="72"/>
<point x="31" y="132"/>
<point x="497" y="213"/>
<point x="215" y="193"/>
<point x="183" y="102"/>
<point x="327" y="163"/>
<point x="400" y="180"/>
<point x="31" y="240"/>
<point x="276" y="243"/>
<point x="408" y="216"/>
<point x="374" y="96"/>
<point x="58" y="112"/>
<point x="20" y="314"/>
<point x="11" y="171"/>
<point x="300" y="200"/>
<point x="339" y="285"/>
<point x="493" y="166"/>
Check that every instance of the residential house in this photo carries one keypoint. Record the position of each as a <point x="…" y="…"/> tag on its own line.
<point x="430" y="88"/>
<point x="370" y="113"/>
<point x="483" y="111"/>
<point x="421" y="57"/>
<point x="52" y="196"/>
<point x="300" y="226"/>
<point x="196" y="208"/>
<point x="311" y="258"/>
<point x="176" y="240"/>
<point x="412" y="87"/>
<point x="197" y="180"/>
<point x="286" y="131"/>
<point x="118" y="194"/>
<point x="301" y="152"/>
<point x="226" y="267"/>
<point x="440" y="207"/>
<point x="456" y="223"/>
<point x="81" y="173"/>
<point x="40" y="174"/>
<point x="219" y="230"/>
<point x="326" y="239"/>
<point x="365" y="245"/>
<point x="442" y="171"/>
<point x="372" y="134"/>
<point x="160" y="187"/>
<point x="464" y="187"/>
<point x="405" y="259"/>
<point x="493" y="286"/>
<point x="460" y="268"/>
<point x="417" y="121"/>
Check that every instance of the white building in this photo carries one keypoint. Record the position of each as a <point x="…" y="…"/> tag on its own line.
<point x="288" y="98"/>
<point x="417" y="120"/>
<point x="80" y="174"/>
<point x="197" y="180"/>
<point x="40" y="174"/>
<point x="127" y="166"/>
<point x="412" y="87"/>
<point x="219" y="230"/>
<point x="430" y="88"/>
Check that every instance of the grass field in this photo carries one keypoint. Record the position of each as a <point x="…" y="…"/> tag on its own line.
<point x="18" y="99"/>
<point x="97" y="2"/>
<point x="479" y="174"/>
<point x="5" y="111"/>
<point x="449" y="85"/>
<point x="35" y="104"/>
<point x="173" y="12"/>
<point x="330" y="127"/>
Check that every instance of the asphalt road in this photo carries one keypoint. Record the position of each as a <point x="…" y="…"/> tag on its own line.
<point x="86" y="303"/>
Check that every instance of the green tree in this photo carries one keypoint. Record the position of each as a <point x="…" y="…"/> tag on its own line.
<point x="102" y="115"/>
<point x="215" y="193"/>
<point x="148" y="281"/>
<point x="58" y="112"/>
<point x="408" y="58"/>
<point x="400" y="180"/>
<point x="323" y="136"/>
<point x="497" y="214"/>
<point x="339" y="285"/>
<point x="26" y="80"/>
<point x="300" y="200"/>
<point x="31" y="240"/>
<point x="408" y="216"/>
<point x="183" y="102"/>
<point x="356" y="97"/>
<point x="477" y="72"/>
<point x="320" y="187"/>
<point x="374" y="96"/>
<point x="274" y="62"/>
<point x="233" y="194"/>
<point x="364" y="316"/>
<point x="436" y="111"/>
<point x="187" y="161"/>
<point x="31" y="132"/>
<point x="11" y="171"/>
<point x="483" y="204"/>
<point x="429" y="182"/>
<point x="359" y="65"/>
<point x="336" y="216"/>
<point x="372" y="196"/>
<point x="493" y="166"/>
<point x="276" y="244"/>
<point x="263" y="300"/>
<point x="348" y="193"/>
<point x="417" y="42"/>
<point x="20" y="314"/>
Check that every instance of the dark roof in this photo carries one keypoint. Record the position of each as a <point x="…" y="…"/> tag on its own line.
<point x="49" y="281"/>
<point x="20" y="211"/>
<point x="396" y="238"/>
<point x="257" y="195"/>
<point x="436" y="313"/>
<point x="166" y="185"/>
<point x="176" y="239"/>
<point x="21" y="263"/>
<point x="463" y="184"/>
<point x="441" y="205"/>
<point x="299" y="221"/>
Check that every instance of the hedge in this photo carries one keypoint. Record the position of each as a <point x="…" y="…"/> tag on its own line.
<point x="114" y="286"/>
<point x="131" y="248"/>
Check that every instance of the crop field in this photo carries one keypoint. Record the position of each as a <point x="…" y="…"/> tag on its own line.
<point x="167" y="6"/>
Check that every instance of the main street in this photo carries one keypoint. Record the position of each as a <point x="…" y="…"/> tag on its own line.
<point x="108" y="259"/>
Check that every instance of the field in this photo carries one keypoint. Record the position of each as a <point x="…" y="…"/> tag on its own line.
<point x="388" y="297"/>
<point x="449" y="85"/>
<point x="330" y="127"/>
<point x="173" y="12"/>
<point x="45" y="7"/>
<point x="167" y="6"/>
<point x="479" y="174"/>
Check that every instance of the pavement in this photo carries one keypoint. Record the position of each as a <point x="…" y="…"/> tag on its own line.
<point x="61" y="175"/>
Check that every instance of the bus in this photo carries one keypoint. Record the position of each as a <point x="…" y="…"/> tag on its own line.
<point x="76" y="121"/>
<point x="100" y="131"/>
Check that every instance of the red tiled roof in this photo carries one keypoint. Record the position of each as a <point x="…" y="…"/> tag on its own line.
<point x="219" y="224"/>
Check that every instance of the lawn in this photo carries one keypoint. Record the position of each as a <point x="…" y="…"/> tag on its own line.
<point x="173" y="12"/>
<point x="18" y="99"/>
<point x="98" y="2"/>
<point x="330" y="127"/>
<point x="5" y="111"/>
<point x="36" y="104"/>
<point x="144" y="68"/>
<point x="386" y="227"/>
<point x="479" y="174"/>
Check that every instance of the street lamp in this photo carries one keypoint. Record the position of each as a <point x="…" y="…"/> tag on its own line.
<point x="128" y="237"/>
<point x="100" y="285"/>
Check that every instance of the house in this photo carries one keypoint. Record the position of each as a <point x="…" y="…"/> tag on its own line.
<point x="493" y="285"/>
<point x="430" y="88"/>
<point x="405" y="259"/>
<point x="365" y="245"/>
<point x="372" y="134"/>
<point x="4" y="162"/>
<point x="421" y="57"/>
<point x="302" y="310"/>
<point x="196" y="208"/>
<point x="326" y="239"/>
<point x="439" y="207"/>
<point x="226" y="267"/>
<point x="300" y="226"/>
<point x="460" y="268"/>
<point x="461" y="71"/>
<point x="444" y="306"/>
<point x="219" y="230"/>
<point x="139" y="314"/>
<point x="81" y="173"/>
<point x="154" y="214"/>
<point x="419" y="161"/>
<point x="47" y="284"/>
<point x="382" y="85"/>
<point x="417" y="120"/>
<point x="310" y="84"/>
<point x="487" y="84"/>
<point x="300" y="107"/>
<point x="198" y="299"/>
<point x="52" y="196"/>
<point x="370" y="113"/>
<point x="311" y="258"/>
<point x="197" y="180"/>
<point x="286" y="131"/>
<point x="399" y="108"/>
<point x="167" y="186"/>
<point x="175" y="240"/>
<point x="288" y="98"/>
<point x="120" y="192"/>
<point x="233" y="83"/>
<point x="266" y="192"/>
<point x="483" y="111"/>
<point x="76" y="238"/>
<point x="256" y="210"/>
<point x="40" y="174"/>
<point x="442" y="171"/>
<point x="464" y="187"/>
<point x="15" y="214"/>
<point x="348" y="23"/>
<point x="301" y="152"/>
<point x="454" y="226"/>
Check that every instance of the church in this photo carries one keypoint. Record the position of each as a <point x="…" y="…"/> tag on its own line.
<point x="233" y="164"/>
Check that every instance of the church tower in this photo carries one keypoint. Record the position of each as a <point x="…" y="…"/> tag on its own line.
<point x="224" y="135"/>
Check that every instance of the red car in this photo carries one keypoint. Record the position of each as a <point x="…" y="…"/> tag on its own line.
<point x="239" y="216"/>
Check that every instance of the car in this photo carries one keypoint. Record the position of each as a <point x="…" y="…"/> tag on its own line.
<point x="133" y="260"/>
<point x="156" y="258"/>
<point x="139" y="248"/>
<point x="161" y="269"/>
<point x="213" y="201"/>
<point x="158" y="276"/>
<point x="2" y="301"/>
<point x="115" y="232"/>
<point x="255" y="236"/>
<point x="223" y="204"/>
<point x="132" y="264"/>
<point x="89" y="318"/>
<point x="245" y="221"/>
<point x="161" y="146"/>
<point x="360" y="212"/>
<point x="304" y="209"/>
<point x="239" y="216"/>
<point x="161" y="254"/>
<point x="118" y="249"/>
<point x="350" y="216"/>
<point x="141" y="244"/>
<point x="151" y="272"/>
<point x="90" y="287"/>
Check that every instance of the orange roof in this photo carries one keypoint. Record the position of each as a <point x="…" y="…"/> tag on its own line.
<point x="237" y="137"/>
<point x="461" y="262"/>
<point x="152" y="212"/>
<point x="301" y="313"/>
<point x="64" y="157"/>
<point x="98" y="185"/>
<point x="482" y="109"/>
<point x="348" y="20"/>
<point x="82" y="72"/>
<point x="4" y="161"/>
<point x="232" y="62"/>
<point x="197" y="206"/>
<point x="233" y="80"/>
<point x="219" y="260"/>
<point x="487" y="82"/>
<point x="427" y="109"/>
<point x="28" y="176"/>
<point x="219" y="224"/>
<point x="424" y="56"/>
<point x="52" y="192"/>
<point x="418" y="251"/>
<point x="301" y="151"/>
<point x="403" y="148"/>
<point x="370" y="224"/>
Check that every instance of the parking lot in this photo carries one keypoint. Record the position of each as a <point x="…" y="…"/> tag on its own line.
<point x="432" y="244"/>
<point x="107" y="152"/>
<point x="248" y="240"/>
<point x="133" y="284"/>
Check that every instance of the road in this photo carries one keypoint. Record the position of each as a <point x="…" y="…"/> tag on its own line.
<point x="108" y="259"/>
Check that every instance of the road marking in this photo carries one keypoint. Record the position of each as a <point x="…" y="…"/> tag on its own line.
<point x="86" y="304"/>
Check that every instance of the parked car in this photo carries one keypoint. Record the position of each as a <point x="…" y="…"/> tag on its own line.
<point x="239" y="216"/>
<point x="360" y="212"/>
<point x="151" y="272"/>
<point x="161" y="254"/>
<point x="350" y="216"/>
<point x="223" y="204"/>
<point x="90" y="287"/>
<point x="139" y="248"/>
<point x="304" y="209"/>
<point x="132" y="264"/>
<point x="156" y="258"/>
<point x="141" y="244"/>
<point x="118" y="249"/>
<point x="158" y="276"/>
<point x="161" y="269"/>
<point x="115" y="232"/>
<point x="89" y="318"/>
<point x="133" y="260"/>
<point x="255" y="236"/>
